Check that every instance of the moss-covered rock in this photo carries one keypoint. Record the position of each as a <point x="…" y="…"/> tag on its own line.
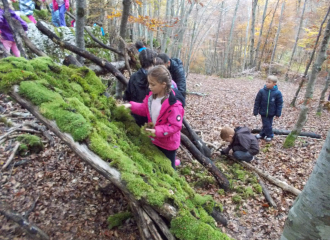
<point x="73" y="97"/>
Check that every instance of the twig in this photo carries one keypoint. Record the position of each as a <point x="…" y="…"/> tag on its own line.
<point x="33" y="231"/>
<point x="11" y="156"/>
<point x="266" y="192"/>
<point x="26" y="215"/>
<point x="187" y="153"/>
<point x="9" y="132"/>
<point x="197" y="93"/>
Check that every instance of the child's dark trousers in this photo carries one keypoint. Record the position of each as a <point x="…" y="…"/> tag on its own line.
<point x="243" y="156"/>
<point x="267" y="127"/>
<point x="170" y="154"/>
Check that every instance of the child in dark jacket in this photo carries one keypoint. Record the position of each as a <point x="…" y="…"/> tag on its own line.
<point x="164" y="108"/>
<point x="243" y="143"/>
<point x="268" y="104"/>
<point x="137" y="87"/>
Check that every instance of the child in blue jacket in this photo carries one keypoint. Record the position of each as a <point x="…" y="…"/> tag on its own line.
<point x="268" y="104"/>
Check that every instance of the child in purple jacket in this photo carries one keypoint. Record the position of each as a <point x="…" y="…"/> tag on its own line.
<point x="6" y="36"/>
<point x="164" y="108"/>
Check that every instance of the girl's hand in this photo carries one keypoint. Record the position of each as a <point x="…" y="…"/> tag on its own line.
<point x="126" y="105"/>
<point x="151" y="130"/>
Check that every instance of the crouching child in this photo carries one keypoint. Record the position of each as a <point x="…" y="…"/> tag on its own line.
<point x="243" y="143"/>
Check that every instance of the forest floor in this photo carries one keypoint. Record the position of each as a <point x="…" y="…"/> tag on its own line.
<point x="73" y="201"/>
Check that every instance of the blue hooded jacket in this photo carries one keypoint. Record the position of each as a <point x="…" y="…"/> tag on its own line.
<point x="27" y="7"/>
<point x="268" y="103"/>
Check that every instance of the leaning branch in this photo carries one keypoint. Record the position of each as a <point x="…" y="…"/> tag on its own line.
<point x="105" y="64"/>
<point x="287" y="132"/>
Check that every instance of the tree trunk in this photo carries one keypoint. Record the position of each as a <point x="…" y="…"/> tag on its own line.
<point x="289" y="141"/>
<point x="325" y="89"/>
<point x="276" y="39"/>
<point x="260" y="33"/>
<point x="266" y="40"/>
<point x="123" y="28"/>
<point x="293" y="102"/>
<point x="246" y="38"/>
<point x="254" y="6"/>
<point x="228" y="49"/>
<point x="214" y="65"/>
<point x="297" y="38"/>
<point x="80" y="25"/>
<point x="309" y="217"/>
<point x="167" y="29"/>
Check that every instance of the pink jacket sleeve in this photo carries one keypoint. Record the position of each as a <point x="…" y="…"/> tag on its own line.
<point x="173" y="125"/>
<point x="55" y="5"/>
<point x="140" y="108"/>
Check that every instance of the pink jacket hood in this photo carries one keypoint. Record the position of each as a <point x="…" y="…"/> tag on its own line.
<point x="169" y="121"/>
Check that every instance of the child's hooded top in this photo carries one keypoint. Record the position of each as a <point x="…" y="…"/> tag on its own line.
<point x="178" y="75"/>
<point x="4" y="26"/>
<point x="169" y="121"/>
<point x="243" y="141"/>
<point x="55" y="4"/>
<point x="268" y="102"/>
<point x="27" y="7"/>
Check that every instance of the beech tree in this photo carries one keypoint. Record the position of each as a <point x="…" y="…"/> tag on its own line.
<point x="309" y="217"/>
<point x="80" y="25"/>
<point x="254" y="7"/>
<point x="289" y="141"/>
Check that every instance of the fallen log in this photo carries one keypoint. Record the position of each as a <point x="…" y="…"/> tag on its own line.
<point x="265" y="191"/>
<point x="196" y="139"/>
<point x="287" y="132"/>
<point x="101" y="62"/>
<point x="279" y="183"/>
<point x="206" y="162"/>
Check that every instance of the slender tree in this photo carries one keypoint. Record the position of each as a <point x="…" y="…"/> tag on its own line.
<point x="296" y="42"/>
<point x="325" y="89"/>
<point x="167" y="29"/>
<point x="309" y="217"/>
<point x="214" y="65"/>
<point x="276" y="38"/>
<point x="246" y="37"/>
<point x="80" y="25"/>
<point x="289" y="141"/>
<point x="260" y="33"/>
<point x="266" y="40"/>
<point x="293" y="102"/>
<point x="123" y="28"/>
<point x="228" y="49"/>
<point x="254" y="7"/>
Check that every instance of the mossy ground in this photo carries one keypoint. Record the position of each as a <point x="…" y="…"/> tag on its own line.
<point x="73" y="97"/>
<point x="29" y="143"/>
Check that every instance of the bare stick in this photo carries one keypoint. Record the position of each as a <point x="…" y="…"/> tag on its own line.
<point x="266" y="192"/>
<point x="11" y="156"/>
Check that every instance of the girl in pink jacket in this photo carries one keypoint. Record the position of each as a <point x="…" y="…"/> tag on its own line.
<point x="62" y="6"/>
<point x="164" y="108"/>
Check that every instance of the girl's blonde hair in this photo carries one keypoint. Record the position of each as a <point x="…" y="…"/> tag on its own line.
<point x="161" y="75"/>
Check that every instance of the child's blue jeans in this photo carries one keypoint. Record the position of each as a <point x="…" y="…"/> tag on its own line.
<point x="267" y="127"/>
<point x="62" y="15"/>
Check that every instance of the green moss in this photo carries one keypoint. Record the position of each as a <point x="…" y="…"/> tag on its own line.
<point x="236" y="199"/>
<point x="118" y="219"/>
<point x="257" y="188"/>
<point x="6" y="122"/>
<point x="25" y="18"/>
<point x="32" y="142"/>
<point x="248" y="192"/>
<point x="41" y="14"/>
<point x="290" y="140"/>
<point x="221" y="192"/>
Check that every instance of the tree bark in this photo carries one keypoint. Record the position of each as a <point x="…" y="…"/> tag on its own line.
<point x="102" y="63"/>
<point x="289" y="141"/>
<point x="80" y="25"/>
<point x="325" y="89"/>
<point x="260" y="33"/>
<point x="293" y="102"/>
<point x="266" y="40"/>
<point x="287" y="132"/>
<point x="276" y="39"/>
<point x="309" y="217"/>
<point x="296" y="42"/>
<point x="206" y="162"/>
<point x="123" y="28"/>
<point x="254" y="6"/>
<point x="246" y="38"/>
